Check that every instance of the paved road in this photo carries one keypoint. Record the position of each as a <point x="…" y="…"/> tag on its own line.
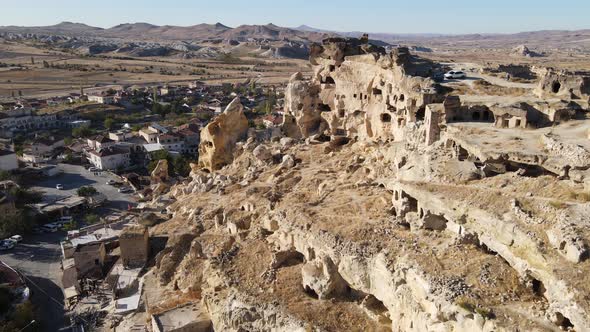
<point x="38" y="258"/>
<point x="74" y="177"/>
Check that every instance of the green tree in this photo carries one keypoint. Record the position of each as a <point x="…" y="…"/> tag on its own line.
<point x="5" y="175"/>
<point x="23" y="197"/>
<point x="86" y="191"/>
<point x="83" y="131"/>
<point x="160" y="109"/>
<point x="108" y="123"/>
<point x="92" y="219"/>
<point x="181" y="166"/>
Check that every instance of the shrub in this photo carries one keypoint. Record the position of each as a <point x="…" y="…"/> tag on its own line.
<point x="92" y="219"/>
<point x="86" y="191"/>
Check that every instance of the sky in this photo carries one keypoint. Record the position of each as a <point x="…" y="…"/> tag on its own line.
<point x="388" y="16"/>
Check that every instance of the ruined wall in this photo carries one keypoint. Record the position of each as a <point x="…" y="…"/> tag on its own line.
<point x="564" y="85"/>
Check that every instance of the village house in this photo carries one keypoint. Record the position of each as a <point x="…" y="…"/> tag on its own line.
<point x="100" y="142"/>
<point x="134" y="244"/>
<point x="78" y="123"/>
<point x="149" y="135"/>
<point x="191" y="134"/>
<point x="111" y="158"/>
<point x="89" y="259"/>
<point x="196" y="85"/>
<point x="171" y="142"/>
<point x="25" y="119"/>
<point x="121" y="135"/>
<point x="101" y="99"/>
<point x="42" y="148"/>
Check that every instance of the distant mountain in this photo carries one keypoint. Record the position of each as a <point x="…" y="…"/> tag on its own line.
<point x="540" y="39"/>
<point x="64" y="28"/>
<point x="147" y="31"/>
<point x="219" y="34"/>
<point x="272" y="32"/>
<point x="168" y="32"/>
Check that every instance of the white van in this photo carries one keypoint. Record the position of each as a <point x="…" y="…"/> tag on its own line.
<point x="51" y="228"/>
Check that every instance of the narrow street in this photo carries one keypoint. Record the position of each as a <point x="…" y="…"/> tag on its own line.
<point x="38" y="258"/>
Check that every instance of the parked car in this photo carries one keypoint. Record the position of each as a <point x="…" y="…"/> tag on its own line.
<point x="111" y="182"/>
<point x="59" y="186"/>
<point x="93" y="169"/>
<point x="125" y="190"/>
<point x="38" y="230"/>
<point x="438" y="77"/>
<point x="16" y="238"/>
<point x="64" y="219"/>
<point x="5" y="245"/>
<point x="455" y="74"/>
<point x="51" y="228"/>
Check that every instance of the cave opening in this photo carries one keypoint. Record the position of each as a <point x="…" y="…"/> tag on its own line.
<point x="421" y="114"/>
<point x="555" y="87"/>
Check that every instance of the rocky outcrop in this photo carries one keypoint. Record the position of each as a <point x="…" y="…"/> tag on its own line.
<point x="565" y="85"/>
<point x="357" y="90"/>
<point x="160" y="173"/>
<point x="390" y="206"/>
<point x="523" y="50"/>
<point x="219" y="137"/>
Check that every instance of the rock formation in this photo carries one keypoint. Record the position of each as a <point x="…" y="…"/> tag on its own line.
<point x="219" y="137"/>
<point x="392" y="207"/>
<point x="160" y="173"/>
<point x="357" y="90"/>
<point x="565" y="85"/>
<point x="523" y="50"/>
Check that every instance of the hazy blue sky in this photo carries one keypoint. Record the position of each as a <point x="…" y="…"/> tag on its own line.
<point x="393" y="16"/>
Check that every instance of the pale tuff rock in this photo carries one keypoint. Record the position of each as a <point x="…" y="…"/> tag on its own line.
<point x="287" y="162"/>
<point x="407" y="211"/>
<point x="219" y="137"/>
<point x="262" y="153"/>
<point x="160" y="173"/>
<point x="564" y="85"/>
<point x="321" y="277"/>
<point x="301" y="98"/>
<point x="358" y="91"/>
<point x="566" y="234"/>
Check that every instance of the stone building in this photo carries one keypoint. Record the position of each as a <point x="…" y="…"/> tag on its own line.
<point x="89" y="259"/>
<point x="134" y="244"/>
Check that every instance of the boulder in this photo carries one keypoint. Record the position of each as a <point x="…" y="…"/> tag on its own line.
<point x="288" y="161"/>
<point x="322" y="277"/>
<point x="262" y="153"/>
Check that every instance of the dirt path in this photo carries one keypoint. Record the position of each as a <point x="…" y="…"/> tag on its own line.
<point x="473" y="73"/>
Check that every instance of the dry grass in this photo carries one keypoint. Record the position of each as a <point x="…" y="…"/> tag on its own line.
<point x="558" y="205"/>
<point x="486" y="88"/>
<point x="579" y="196"/>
